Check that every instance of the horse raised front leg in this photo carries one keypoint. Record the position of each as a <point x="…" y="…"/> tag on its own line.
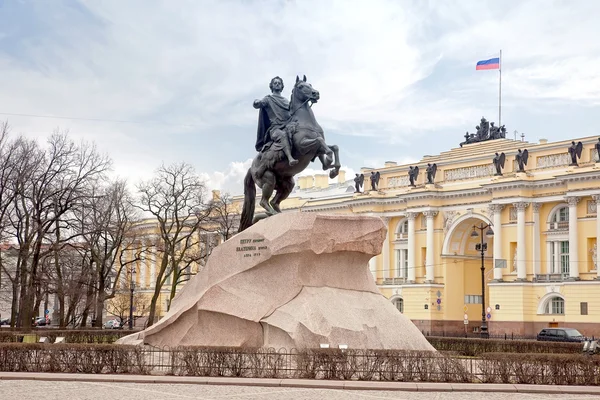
<point x="336" y="164"/>
<point x="325" y="154"/>
<point x="268" y="186"/>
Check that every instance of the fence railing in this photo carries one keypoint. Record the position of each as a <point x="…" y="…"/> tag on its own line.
<point x="350" y="364"/>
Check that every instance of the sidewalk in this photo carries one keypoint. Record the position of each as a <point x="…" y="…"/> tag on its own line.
<point x="306" y="383"/>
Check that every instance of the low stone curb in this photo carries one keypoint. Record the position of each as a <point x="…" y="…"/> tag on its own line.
<point x="306" y="383"/>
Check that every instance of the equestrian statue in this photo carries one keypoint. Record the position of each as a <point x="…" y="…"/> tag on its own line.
<point x="288" y="139"/>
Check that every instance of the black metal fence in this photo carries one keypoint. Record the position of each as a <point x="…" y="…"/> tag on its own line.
<point x="350" y="364"/>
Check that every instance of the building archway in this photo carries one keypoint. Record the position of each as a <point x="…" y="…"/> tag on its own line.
<point x="457" y="238"/>
<point x="462" y="268"/>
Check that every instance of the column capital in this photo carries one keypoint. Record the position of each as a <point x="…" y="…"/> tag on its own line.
<point x="536" y="207"/>
<point x="411" y="215"/>
<point x="596" y="197"/>
<point x="572" y="200"/>
<point x="430" y="214"/>
<point x="386" y="220"/>
<point x="495" y="208"/>
<point x="520" y="206"/>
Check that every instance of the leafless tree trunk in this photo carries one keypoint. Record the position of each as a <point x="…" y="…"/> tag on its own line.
<point x="225" y="214"/>
<point x="176" y="198"/>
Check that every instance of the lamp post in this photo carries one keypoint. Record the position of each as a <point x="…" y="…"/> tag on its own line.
<point x="482" y="247"/>
<point x="131" y="289"/>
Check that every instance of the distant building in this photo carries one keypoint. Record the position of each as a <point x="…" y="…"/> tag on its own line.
<point x="545" y="226"/>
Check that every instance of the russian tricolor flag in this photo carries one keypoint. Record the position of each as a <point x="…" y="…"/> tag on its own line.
<point x="492" y="63"/>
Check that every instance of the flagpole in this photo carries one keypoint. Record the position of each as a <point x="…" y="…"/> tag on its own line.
<point x="500" y="92"/>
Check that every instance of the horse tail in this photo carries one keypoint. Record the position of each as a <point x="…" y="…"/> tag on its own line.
<point x="249" y="202"/>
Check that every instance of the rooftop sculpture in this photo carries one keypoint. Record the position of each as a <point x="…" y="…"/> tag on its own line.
<point x="485" y="131"/>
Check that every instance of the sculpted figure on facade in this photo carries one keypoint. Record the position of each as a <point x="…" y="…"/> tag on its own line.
<point x="499" y="160"/>
<point x="597" y="147"/>
<point x="431" y="171"/>
<point x="521" y="158"/>
<point x="575" y="152"/>
<point x="375" y="180"/>
<point x="359" y="181"/>
<point x="413" y="174"/>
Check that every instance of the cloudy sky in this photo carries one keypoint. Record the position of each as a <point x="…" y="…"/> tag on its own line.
<point x="165" y="81"/>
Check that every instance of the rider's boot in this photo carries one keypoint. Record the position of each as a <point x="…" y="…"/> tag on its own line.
<point x="288" y="152"/>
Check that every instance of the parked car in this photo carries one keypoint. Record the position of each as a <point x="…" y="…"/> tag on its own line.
<point x="560" y="335"/>
<point x="41" y="321"/>
<point x="4" y="321"/>
<point x="113" y="324"/>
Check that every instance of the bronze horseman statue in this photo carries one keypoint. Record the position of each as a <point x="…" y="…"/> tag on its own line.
<point x="288" y="139"/>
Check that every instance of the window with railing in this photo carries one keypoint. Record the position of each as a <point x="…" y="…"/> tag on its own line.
<point x="402" y="231"/>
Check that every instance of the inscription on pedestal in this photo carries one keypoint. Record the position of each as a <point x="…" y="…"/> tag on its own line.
<point x="251" y="247"/>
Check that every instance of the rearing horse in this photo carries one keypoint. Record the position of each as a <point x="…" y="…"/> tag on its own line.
<point x="271" y="171"/>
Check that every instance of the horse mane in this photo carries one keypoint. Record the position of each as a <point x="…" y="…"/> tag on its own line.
<point x="293" y="100"/>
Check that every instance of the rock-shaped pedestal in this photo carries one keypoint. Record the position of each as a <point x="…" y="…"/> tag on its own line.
<point x="294" y="280"/>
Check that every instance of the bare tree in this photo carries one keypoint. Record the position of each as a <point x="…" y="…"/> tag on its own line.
<point x="176" y="198"/>
<point x="107" y="230"/>
<point x="53" y="183"/>
<point x="226" y="215"/>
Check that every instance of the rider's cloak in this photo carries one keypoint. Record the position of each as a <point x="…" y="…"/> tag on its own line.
<point x="275" y="112"/>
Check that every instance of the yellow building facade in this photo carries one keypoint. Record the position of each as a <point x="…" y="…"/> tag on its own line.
<point x="540" y="264"/>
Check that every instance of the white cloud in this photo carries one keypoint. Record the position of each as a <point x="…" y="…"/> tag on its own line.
<point x="401" y="72"/>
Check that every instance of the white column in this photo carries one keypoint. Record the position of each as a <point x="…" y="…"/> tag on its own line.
<point x="573" y="244"/>
<point x="412" y="268"/>
<point x="385" y="252"/>
<point x="537" y="258"/>
<point x="521" y="246"/>
<point x="430" y="253"/>
<point x="596" y="198"/>
<point x="496" y="210"/>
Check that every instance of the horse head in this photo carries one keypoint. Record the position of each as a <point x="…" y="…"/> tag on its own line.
<point x="303" y="91"/>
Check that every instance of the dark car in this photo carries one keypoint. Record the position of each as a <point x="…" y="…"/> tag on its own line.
<point x="560" y="335"/>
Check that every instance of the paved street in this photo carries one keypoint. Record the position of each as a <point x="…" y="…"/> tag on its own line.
<point x="29" y="389"/>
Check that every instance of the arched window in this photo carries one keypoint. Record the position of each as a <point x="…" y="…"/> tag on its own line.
<point x="399" y="303"/>
<point x="560" y="219"/>
<point x="555" y="305"/>
<point x="402" y="230"/>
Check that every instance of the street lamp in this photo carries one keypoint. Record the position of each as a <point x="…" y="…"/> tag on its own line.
<point x="482" y="247"/>
<point x="131" y="289"/>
